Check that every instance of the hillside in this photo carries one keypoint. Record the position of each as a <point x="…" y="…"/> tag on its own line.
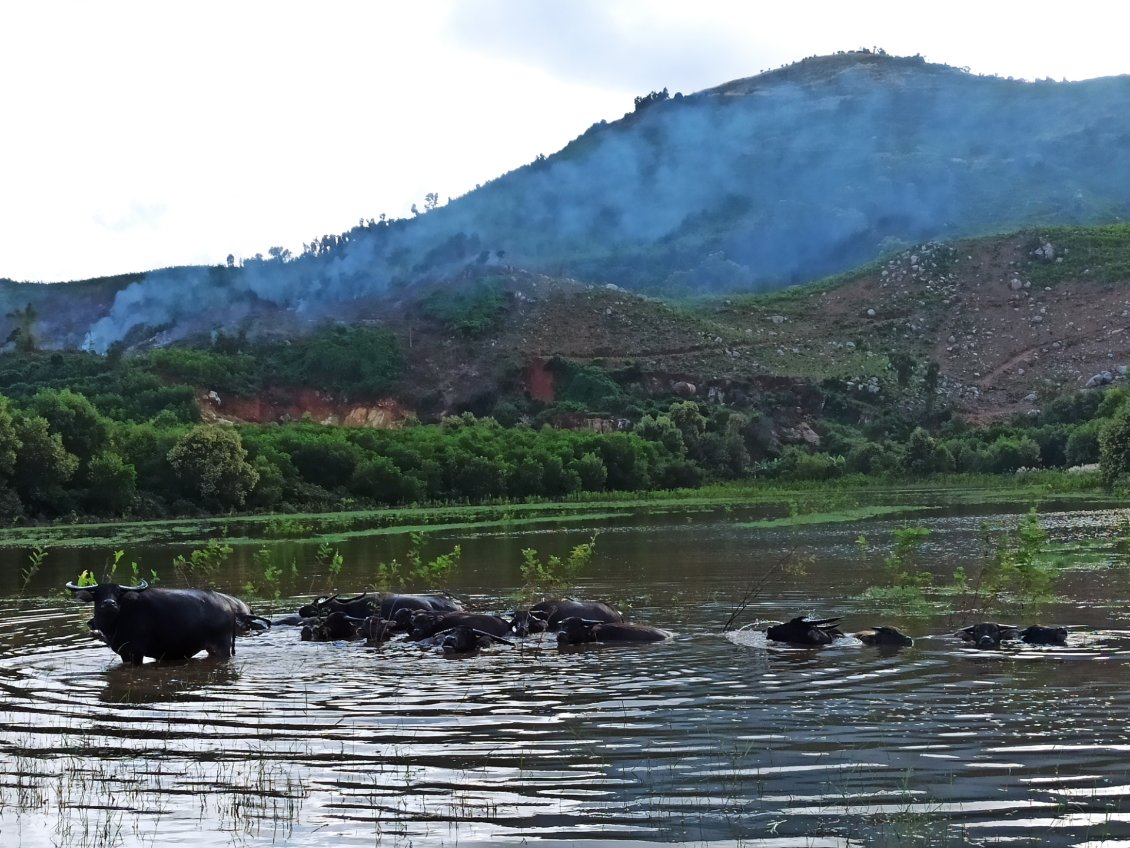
<point x="1012" y="321"/>
<point x="877" y="372"/>
<point x="775" y="180"/>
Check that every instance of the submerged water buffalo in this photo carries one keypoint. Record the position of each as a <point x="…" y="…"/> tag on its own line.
<point x="549" y="614"/>
<point x="579" y="631"/>
<point x="988" y="635"/>
<point x="337" y="626"/>
<point x="428" y="623"/>
<point x="463" y="639"/>
<point x="166" y="624"/>
<point x="884" y="636"/>
<point x="1036" y="634"/>
<point x="375" y="630"/>
<point x="806" y="631"/>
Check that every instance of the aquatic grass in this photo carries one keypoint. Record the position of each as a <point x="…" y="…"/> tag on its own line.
<point x="907" y="583"/>
<point x="842" y="517"/>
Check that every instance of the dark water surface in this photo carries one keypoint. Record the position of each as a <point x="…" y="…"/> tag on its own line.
<point x="711" y="738"/>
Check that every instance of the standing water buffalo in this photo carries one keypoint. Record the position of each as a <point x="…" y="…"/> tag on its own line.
<point x="165" y="624"/>
<point x="579" y="631"/>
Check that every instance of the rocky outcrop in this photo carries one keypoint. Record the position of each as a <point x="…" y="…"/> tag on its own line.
<point x="284" y="405"/>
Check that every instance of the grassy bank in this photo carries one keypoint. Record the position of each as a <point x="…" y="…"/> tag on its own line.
<point x="778" y="503"/>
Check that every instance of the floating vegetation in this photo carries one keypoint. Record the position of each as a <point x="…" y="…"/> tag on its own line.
<point x="843" y="517"/>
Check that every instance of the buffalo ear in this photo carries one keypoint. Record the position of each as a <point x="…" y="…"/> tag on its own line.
<point x="80" y="593"/>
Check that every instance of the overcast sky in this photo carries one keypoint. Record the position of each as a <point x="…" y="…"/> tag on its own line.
<point x="139" y="135"/>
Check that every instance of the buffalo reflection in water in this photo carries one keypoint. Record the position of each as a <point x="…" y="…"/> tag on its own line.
<point x="166" y="682"/>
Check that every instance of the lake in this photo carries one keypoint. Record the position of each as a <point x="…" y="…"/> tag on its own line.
<point x="712" y="738"/>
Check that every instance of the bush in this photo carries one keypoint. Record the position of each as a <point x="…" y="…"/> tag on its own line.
<point x="797" y="464"/>
<point x="1007" y="454"/>
<point x="1114" y="447"/>
<point x="470" y="310"/>
<point x="212" y="464"/>
<point x="1083" y="444"/>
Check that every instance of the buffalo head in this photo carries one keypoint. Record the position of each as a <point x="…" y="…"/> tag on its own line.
<point x="526" y="622"/>
<point x="576" y="631"/>
<point x="987" y="635"/>
<point x="107" y="599"/>
<point x="884" y="636"/>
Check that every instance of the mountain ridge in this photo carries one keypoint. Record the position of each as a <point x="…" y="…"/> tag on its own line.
<point x="778" y="179"/>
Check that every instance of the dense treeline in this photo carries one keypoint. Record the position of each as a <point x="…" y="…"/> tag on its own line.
<point x="84" y="435"/>
<point x="60" y="456"/>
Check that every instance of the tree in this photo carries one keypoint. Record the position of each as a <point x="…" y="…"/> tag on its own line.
<point x="645" y="100"/>
<point x="925" y="456"/>
<point x="82" y="428"/>
<point x="903" y="366"/>
<point x="42" y="465"/>
<point x="591" y="471"/>
<point x="9" y="442"/>
<point x="735" y="455"/>
<point x="211" y="463"/>
<point x="1114" y="447"/>
<point x="930" y="384"/>
<point x="691" y="423"/>
<point x="113" y="484"/>
<point x="662" y="429"/>
<point x="22" y="335"/>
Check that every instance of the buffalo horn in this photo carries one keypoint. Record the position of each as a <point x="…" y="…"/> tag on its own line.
<point x="491" y="636"/>
<point x="140" y="587"/>
<point x="74" y="587"/>
<point x="351" y="600"/>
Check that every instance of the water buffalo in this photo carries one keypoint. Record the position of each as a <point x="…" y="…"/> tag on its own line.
<point x="1035" y="634"/>
<point x="805" y="631"/>
<point x="337" y="626"/>
<point x="554" y="610"/>
<point x="463" y="639"/>
<point x="360" y="606"/>
<point x="579" y="631"/>
<point x="884" y="636"/>
<point x="987" y="635"/>
<point x="165" y="624"/>
<point x="524" y="622"/>
<point x="365" y="604"/>
<point x="427" y="624"/>
<point x="374" y="630"/>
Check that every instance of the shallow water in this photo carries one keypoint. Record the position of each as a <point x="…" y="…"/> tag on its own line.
<point x="712" y="738"/>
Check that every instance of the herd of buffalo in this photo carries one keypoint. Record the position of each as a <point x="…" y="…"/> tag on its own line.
<point x="175" y="624"/>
